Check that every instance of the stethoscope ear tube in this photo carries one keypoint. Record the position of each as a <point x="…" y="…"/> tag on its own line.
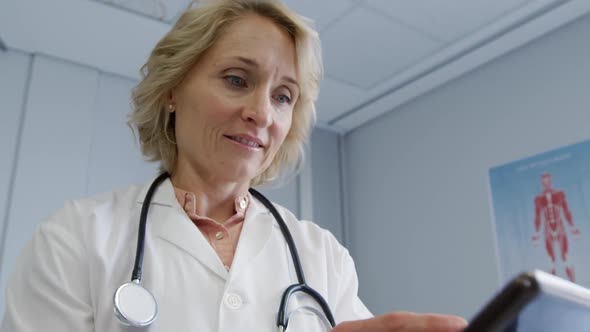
<point x="138" y="266"/>
<point x="302" y="286"/>
<point x="286" y="234"/>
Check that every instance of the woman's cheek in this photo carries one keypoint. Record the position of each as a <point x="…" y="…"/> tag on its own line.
<point x="220" y="105"/>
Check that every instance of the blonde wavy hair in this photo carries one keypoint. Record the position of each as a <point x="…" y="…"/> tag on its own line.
<point x="197" y="29"/>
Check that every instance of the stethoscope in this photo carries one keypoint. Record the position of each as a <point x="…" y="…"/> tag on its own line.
<point x="136" y="306"/>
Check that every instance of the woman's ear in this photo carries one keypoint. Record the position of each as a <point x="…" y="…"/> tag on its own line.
<point x="171" y="97"/>
<point x="171" y="101"/>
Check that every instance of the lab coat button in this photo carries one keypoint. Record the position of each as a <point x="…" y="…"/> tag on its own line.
<point x="219" y="235"/>
<point x="233" y="301"/>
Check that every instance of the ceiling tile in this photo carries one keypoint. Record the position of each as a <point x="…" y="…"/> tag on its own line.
<point x="364" y="48"/>
<point x="321" y="12"/>
<point x="164" y="10"/>
<point x="446" y="20"/>
<point x="336" y="98"/>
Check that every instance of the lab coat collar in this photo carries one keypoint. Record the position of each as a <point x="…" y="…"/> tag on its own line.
<point x="168" y="221"/>
<point x="256" y="232"/>
<point x="164" y="194"/>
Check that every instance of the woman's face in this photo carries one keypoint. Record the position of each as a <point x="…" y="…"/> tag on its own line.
<point x="234" y="108"/>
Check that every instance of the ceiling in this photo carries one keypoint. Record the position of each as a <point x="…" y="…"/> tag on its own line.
<point x="378" y="54"/>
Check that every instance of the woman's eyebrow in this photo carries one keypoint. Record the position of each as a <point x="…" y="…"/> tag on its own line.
<point x="247" y="61"/>
<point x="291" y="80"/>
<point x="253" y="63"/>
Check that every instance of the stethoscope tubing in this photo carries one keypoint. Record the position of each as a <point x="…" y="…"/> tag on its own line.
<point x="282" y="319"/>
<point x="301" y="286"/>
<point x="138" y="266"/>
<point x="286" y="234"/>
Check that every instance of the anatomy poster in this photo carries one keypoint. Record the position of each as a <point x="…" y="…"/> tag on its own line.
<point x="541" y="214"/>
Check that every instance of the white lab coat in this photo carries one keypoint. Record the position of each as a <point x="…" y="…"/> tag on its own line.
<point x="66" y="277"/>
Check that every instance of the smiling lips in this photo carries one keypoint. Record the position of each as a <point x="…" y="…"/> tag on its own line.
<point x="251" y="142"/>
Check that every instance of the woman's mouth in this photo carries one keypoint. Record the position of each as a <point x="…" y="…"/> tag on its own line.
<point x="245" y="141"/>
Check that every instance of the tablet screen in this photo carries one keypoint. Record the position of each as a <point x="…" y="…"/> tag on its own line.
<point x="549" y="313"/>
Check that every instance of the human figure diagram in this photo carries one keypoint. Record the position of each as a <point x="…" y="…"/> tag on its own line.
<point x="550" y="206"/>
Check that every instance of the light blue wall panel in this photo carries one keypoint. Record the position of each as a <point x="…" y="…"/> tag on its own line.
<point x="14" y="70"/>
<point x="115" y="159"/>
<point x="327" y="200"/>
<point x="418" y="177"/>
<point x="53" y="156"/>
<point x="285" y="194"/>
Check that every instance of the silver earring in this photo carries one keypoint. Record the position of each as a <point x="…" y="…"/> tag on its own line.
<point x="171" y="108"/>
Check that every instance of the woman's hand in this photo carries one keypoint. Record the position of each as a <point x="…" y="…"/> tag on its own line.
<point x="404" y="322"/>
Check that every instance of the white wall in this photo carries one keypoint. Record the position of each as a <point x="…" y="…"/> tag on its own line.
<point x="420" y="224"/>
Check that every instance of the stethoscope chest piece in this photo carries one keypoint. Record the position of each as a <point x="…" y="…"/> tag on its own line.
<point x="134" y="305"/>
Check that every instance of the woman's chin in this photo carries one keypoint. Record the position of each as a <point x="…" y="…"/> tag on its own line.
<point x="240" y="176"/>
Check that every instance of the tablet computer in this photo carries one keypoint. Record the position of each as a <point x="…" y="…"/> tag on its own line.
<point x="535" y="302"/>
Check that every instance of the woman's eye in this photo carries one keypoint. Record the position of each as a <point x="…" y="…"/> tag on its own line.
<point x="283" y="99"/>
<point x="235" y="81"/>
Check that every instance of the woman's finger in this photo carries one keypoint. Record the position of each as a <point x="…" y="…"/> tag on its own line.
<point x="405" y="322"/>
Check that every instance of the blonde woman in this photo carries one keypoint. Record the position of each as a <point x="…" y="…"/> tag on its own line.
<point x="226" y="102"/>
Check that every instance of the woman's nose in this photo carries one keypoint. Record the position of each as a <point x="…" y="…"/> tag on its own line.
<point x="259" y="110"/>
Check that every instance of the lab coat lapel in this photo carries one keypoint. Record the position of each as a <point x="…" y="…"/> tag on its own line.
<point x="168" y="221"/>
<point x="256" y="232"/>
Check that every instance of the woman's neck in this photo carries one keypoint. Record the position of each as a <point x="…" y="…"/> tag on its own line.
<point x="215" y="198"/>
